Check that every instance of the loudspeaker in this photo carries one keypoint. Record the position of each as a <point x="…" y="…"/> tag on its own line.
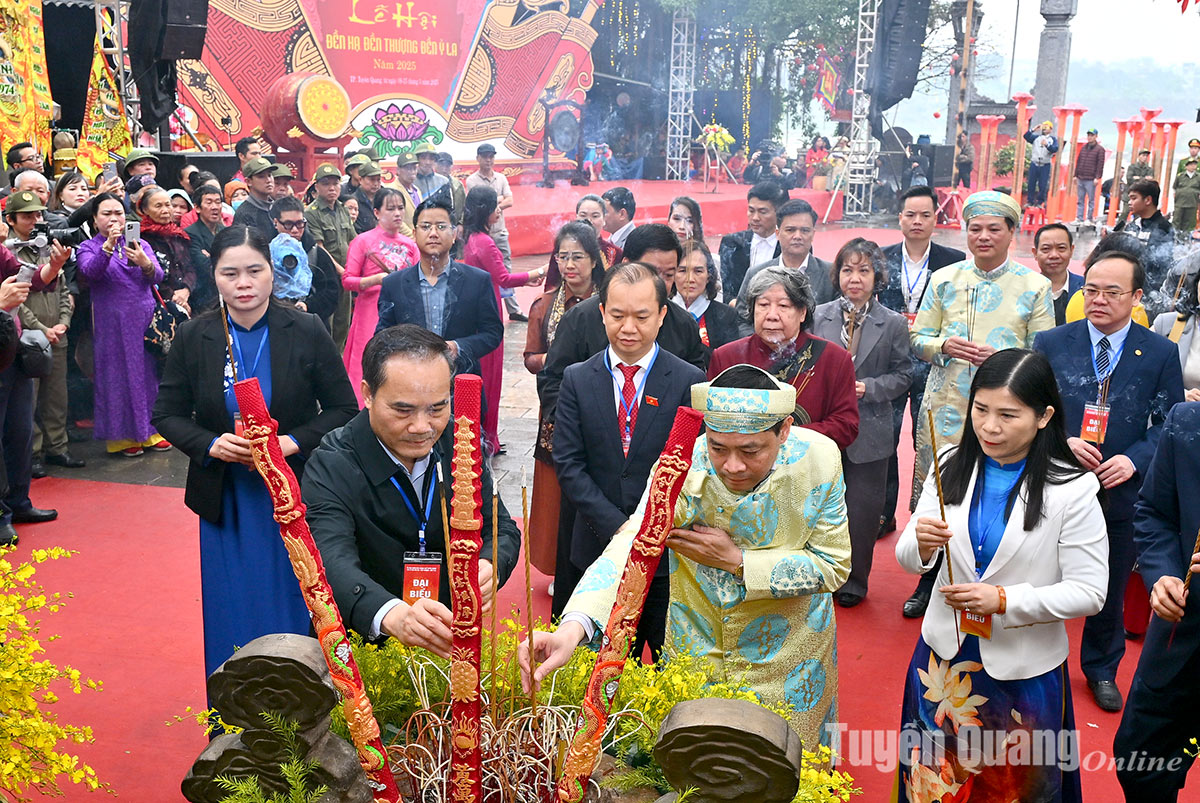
<point x="186" y="25"/>
<point x="222" y="164"/>
<point x="941" y="164"/>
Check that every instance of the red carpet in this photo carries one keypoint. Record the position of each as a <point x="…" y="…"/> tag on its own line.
<point x="134" y="623"/>
<point x="538" y="212"/>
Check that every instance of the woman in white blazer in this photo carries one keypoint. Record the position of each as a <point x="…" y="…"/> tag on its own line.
<point x="1029" y="550"/>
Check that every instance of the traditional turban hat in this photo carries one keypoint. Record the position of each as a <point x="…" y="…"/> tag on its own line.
<point x="743" y="410"/>
<point x="990" y="202"/>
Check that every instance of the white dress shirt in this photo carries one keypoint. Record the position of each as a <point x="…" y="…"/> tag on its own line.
<point x="619" y="236"/>
<point x="417" y="478"/>
<point x="762" y="249"/>
<point x="913" y="277"/>
<point x="1116" y="343"/>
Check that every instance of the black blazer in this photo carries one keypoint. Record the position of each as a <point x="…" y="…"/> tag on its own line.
<point x="892" y="296"/>
<point x="311" y="394"/>
<point x="724" y="325"/>
<point x="581" y="334"/>
<point x="363" y="527"/>
<point x="472" y="316"/>
<point x="603" y="483"/>
<point x="735" y="261"/>
<point x="1145" y="385"/>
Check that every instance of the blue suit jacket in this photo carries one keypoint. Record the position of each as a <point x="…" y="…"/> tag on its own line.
<point x="602" y="482"/>
<point x="1165" y="522"/>
<point x="472" y="315"/>
<point x="1146" y="383"/>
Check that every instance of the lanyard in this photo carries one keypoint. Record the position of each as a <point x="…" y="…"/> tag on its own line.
<point x="985" y="534"/>
<point x="1102" y="381"/>
<point x="422" y="520"/>
<point x="912" y="286"/>
<point x="637" y="389"/>
<point x="237" y="342"/>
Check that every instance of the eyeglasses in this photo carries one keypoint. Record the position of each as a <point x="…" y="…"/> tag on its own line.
<point x="428" y="227"/>
<point x="1112" y="295"/>
<point x="33" y="157"/>
<point x="291" y="225"/>
<point x="574" y="258"/>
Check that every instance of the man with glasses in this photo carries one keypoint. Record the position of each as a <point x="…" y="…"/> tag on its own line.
<point x="449" y="298"/>
<point x="1118" y="381"/>
<point x="288" y="216"/>
<point x="797" y="226"/>
<point x="23" y="156"/>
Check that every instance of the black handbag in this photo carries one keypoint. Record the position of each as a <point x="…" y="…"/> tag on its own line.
<point x="35" y="358"/>
<point x="164" y="322"/>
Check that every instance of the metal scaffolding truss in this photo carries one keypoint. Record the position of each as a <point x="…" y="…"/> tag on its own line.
<point x="680" y="95"/>
<point x="111" y="19"/>
<point x="860" y="178"/>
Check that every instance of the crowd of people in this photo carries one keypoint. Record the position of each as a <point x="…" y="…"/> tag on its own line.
<point x="1050" y="454"/>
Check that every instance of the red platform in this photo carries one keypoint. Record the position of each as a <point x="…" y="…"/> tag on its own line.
<point x="538" y="212"/>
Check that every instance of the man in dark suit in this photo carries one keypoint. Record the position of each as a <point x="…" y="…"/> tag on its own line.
<point x="1052" y="248"/>
<point x="759" y="243"/>
<point x="909" y="265"/>
<point x="797" y="226"/>
<point x="450" y="299"/>
<point x="614" y="414"/>
<point x="371" y="491"/>
<point x="201" y="233"/>
<point x="581" y="329"/>
<point x="1160" y="717"/>
<point x="1117" y="382"/>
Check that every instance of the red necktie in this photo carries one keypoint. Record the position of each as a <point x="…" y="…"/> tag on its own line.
<point x="629" y="395"/>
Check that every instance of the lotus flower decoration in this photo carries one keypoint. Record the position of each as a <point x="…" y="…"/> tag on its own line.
<point x="396" y="129"/>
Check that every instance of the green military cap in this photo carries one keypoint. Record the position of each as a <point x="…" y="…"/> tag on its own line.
<point x="24" y="201"/>
<point x="257" y="165"/>
<point x="369" y="169"/>
<point x="425" y="147"/>
<point x="326" y="170"/>
<point x="405" y="159"/>
<point x="357" y="160"/>
<point x="138" y="155"/>
<point x="282" y="171"/>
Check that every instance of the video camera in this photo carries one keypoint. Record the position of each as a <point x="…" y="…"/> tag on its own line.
<point x="43" y="235"/>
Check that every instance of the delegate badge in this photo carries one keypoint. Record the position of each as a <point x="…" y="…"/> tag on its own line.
<point x="975" y="624"/>
<point x="911" y="317"/>
<point x="422" y="576"/>
<point x="1095" y="423"/>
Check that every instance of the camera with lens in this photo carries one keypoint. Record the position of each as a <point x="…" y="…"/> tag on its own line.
<point x="289" y="262"/>
<point x="68" y="237"/>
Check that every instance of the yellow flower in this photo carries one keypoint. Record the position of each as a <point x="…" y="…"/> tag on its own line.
<point x="950" y="687"/>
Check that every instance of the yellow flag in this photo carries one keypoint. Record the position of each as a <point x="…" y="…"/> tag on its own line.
<point x="104" y="127"/>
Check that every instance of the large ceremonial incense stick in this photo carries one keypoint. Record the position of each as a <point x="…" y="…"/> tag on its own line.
<point x="647" y="549"/>
<point x="1187" y="582"/>
<point x="495" y="588"/>
<point x="228" y="340"/>
<point x="288" y="509"/>
<point x="937" y="476"/>
<point x="528" y="588"/>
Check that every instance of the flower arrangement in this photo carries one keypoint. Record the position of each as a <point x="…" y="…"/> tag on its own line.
<point x="30" y="756"/>
<point x="409" y="690"/>
<point x="717" y="136"/>
<point x="823" y="167"/>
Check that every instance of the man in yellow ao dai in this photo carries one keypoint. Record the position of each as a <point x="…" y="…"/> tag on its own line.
<point x="760" y="544"/>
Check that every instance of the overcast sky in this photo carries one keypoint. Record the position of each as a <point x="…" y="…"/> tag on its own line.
<point x="1102" y="26"/>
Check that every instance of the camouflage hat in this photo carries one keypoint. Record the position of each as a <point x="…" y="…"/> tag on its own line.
<point x="257" y="165"/>
<point x="326" y="171"/>
<point x="24" y="201"/>
<point x="369" y="169"/>
<point x="425" y="147"/>
<point x="405" y="159"/>
<point x="282" y="171"/>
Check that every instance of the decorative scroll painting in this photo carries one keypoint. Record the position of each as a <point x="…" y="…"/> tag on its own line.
<point x="454" y="74"/>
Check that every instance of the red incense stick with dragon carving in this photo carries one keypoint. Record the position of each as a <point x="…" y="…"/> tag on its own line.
<point x="648" y="546"/>
<point x="263" y="433"/>
<point x="465" y="784"/>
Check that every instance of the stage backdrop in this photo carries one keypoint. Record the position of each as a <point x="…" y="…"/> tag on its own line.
<point x="455" y="73"/>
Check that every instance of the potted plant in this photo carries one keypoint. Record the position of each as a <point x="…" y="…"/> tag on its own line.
<point x="821" y="172"/>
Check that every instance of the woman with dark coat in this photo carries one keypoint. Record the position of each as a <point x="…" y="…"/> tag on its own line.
<point x="248" y="586"/>
<point x="696" y="291"/>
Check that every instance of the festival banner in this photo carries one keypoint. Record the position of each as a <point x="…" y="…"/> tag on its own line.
<point x="104" y="129"/>
<point x="827" y="86"/>
<point x="40" y="107"/>
<point x="16" y="90"/>
<point x="452" y="74"/>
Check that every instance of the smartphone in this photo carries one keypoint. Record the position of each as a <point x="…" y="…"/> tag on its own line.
<point x="110" y="171"/>
<point x="133" y="231"/>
